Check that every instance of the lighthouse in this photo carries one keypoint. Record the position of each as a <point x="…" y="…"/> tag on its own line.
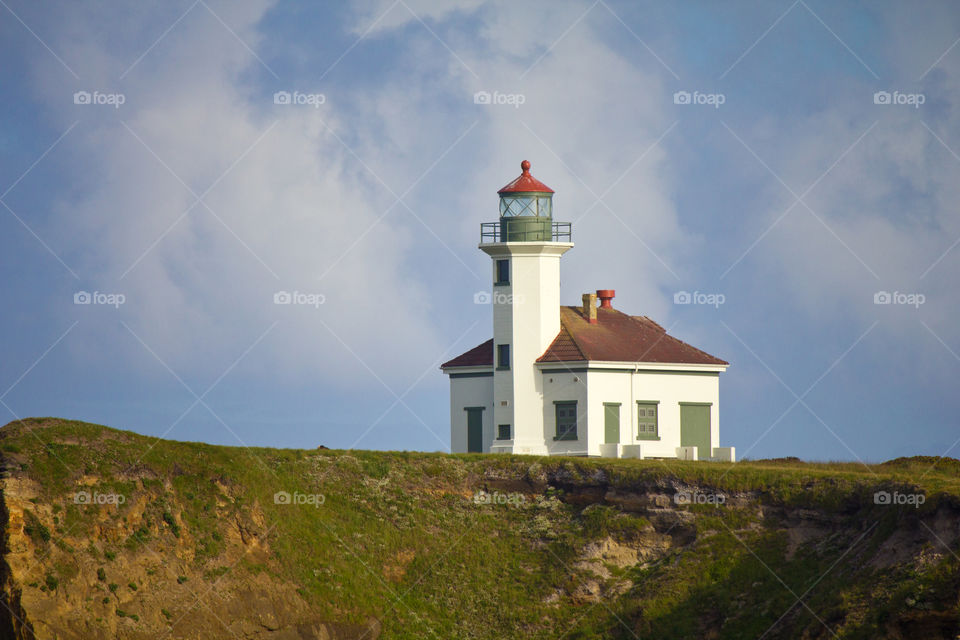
<point x="525" y="246"/>
<point x="585" y="380"/>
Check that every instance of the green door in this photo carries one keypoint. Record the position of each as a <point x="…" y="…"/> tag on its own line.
<point x="474" y="429"/>
<point x="695" y="428"/>
<point x="611" y="423"/>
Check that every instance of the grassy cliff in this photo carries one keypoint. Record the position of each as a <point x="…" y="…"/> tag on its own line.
<point x="113" y="534"/>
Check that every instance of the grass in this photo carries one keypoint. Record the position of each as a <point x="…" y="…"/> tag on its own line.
<point x="398" y="537"/>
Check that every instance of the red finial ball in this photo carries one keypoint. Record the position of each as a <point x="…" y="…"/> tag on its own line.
<point x="525" y="166"/>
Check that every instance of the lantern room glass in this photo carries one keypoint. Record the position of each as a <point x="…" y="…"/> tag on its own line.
<point x="532" y="205"/>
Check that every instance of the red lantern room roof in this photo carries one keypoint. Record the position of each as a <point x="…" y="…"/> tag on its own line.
<point x="525" y="183"/>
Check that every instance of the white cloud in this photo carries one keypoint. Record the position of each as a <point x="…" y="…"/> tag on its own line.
<point x="293" y="205"/>
<point x="299" y="199"/>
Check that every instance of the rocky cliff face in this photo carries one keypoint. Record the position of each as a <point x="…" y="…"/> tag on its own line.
<point x="101" y="580"/>
<point x="110" y="535"/>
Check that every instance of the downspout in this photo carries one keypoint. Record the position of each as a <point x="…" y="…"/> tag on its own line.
<point x="633" y="404"/>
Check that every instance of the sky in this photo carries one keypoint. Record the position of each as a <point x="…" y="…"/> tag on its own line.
<point x="169" y="169"/>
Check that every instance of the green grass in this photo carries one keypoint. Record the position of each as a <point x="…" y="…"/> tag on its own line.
<point x="398" y="537"/>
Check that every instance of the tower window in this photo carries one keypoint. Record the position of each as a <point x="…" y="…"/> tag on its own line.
<point x="503" y="272"/>
<point x="503" y="356"/>
<point x="503" y="432"/>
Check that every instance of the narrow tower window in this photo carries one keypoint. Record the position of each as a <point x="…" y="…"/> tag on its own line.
<point x="503" y="356"/>
<point x="503" y="272"/>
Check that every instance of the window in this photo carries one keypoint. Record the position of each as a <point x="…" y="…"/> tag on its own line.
<point x="503" y="356"/>
<point x="647" y="426"/>
<point x="503" y="432"/>
<point x="503" y="272"/>
<point x="566" y="420"/>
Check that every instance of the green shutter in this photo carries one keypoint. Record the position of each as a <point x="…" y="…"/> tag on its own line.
<point x="695" y="428"/>
<point x="648" y="426"/>
<point x="611" y="423"/>
<point x="566" y="413"/>
<point x="474" y="429"/>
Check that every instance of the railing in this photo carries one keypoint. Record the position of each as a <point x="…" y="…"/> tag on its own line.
<point x="529" y="230"/>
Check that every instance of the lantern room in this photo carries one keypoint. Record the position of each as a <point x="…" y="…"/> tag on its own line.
<point x="526" y="213"/>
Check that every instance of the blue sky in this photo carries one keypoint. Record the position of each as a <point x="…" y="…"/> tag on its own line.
<point x="798" y="198"/>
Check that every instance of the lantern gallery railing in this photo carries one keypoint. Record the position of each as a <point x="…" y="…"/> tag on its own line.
<point x="525" y="229"/>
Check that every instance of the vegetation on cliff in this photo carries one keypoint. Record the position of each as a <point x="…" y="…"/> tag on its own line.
<point x="112" y="534"/>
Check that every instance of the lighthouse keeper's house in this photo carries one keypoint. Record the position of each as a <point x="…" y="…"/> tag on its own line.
<point x="574" y="380"/>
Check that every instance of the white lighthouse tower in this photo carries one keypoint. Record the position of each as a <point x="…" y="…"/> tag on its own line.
<point x="525" y="246"/>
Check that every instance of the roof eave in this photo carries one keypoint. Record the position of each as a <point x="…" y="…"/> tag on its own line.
<point x="639" y="366"/>
<point x="468" y="369"/>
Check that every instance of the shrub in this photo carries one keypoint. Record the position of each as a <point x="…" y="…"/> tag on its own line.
<point x="52" y="582"/>
<point x="138" y="537"/>
<point x="35" y="529"/>
<point x="170" y="520"/>
<point x="101" y="575"/>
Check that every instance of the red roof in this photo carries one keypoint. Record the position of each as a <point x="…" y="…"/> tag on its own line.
<point x="526" y="182"/>
<point x="616" y="337"/>
<point x="480" y="356"/>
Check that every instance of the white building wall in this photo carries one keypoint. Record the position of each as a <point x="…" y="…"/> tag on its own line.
<point x="669" y="389"/>
<point x="564" y="386"/>
<point x="613" y="387"/>
<point x="470" y="392"/>
<point x="590" y="389"/>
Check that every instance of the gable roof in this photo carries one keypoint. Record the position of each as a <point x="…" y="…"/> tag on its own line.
<point x="616" y="337"/>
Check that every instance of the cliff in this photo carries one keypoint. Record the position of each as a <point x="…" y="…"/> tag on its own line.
<point x="110" y="534"/>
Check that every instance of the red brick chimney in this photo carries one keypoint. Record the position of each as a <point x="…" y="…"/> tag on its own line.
<point x="590" y="307"/>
